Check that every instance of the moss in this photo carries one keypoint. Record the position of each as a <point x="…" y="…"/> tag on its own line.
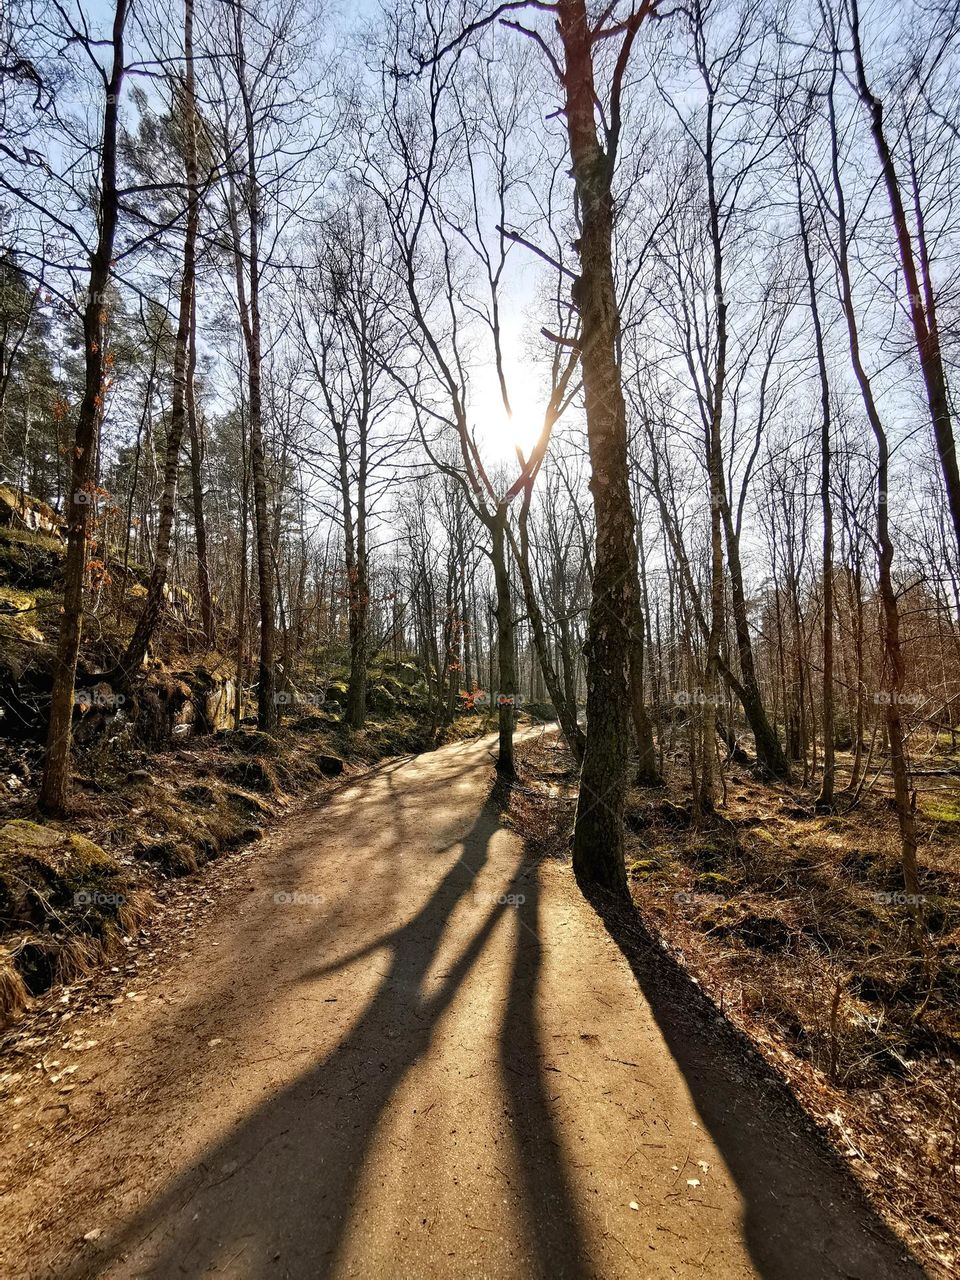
<point x="715" y="882"/>
<point x="18" y="613"/>
<point x="69" y="901"/>
<point x="644" y="868"/>
<point x="941" y="809"/>
<point x="30" y="559"/>
<point x="16" y="601"/>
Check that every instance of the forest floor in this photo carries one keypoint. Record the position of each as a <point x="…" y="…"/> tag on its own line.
<point x="395" y="1041"/>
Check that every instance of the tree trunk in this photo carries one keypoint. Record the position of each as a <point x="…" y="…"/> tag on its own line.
<point x="136" y="650"/>
<point x="55" y="787"/>
<point x="248" y="300"/>
<point x="507" y="666"/>
<point x="824" y="803"/>
<point x="207" y="623"/>
<point x="923" y="319"/>
<point x="598" y="845"/>
<point x="559" y="695"/>
<point x="892" y="651"/>
<point x="648" y="774"/>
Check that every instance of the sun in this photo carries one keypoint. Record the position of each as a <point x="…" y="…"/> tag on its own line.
<point x="499" y="432"/>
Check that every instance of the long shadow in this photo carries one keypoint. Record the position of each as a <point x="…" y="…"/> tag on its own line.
<point x="805" y="1218"/>
<point x="293" y="1166"/>
<point x="552" y="1217"/>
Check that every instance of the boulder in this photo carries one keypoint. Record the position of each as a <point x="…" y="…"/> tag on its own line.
<point x="20" y="511"/>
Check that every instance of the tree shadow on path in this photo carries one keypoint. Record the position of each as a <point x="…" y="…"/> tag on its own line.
<point x="551" y="1213"/>
<point x="805" y="1218"/>
<point x="274" y="1197"/>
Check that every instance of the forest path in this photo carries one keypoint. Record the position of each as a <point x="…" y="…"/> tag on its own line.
<point x="398" y="1049"/>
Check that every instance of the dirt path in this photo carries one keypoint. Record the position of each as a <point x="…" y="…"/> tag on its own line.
<point x="397" y="1050"/>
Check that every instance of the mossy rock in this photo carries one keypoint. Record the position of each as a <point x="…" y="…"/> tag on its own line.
<point x="716" y="882"/>
<point x="63" y="855"/>
<point x="18" y="614"/>
<point x="20" y="510"/>
<point x="644" y="868"/>
<point x="67" y="902"/>
<point x="674" y="815"/>
<point x="30" y="559"/>
<point x="381" y="699"/>
<point x="402" y="672"/>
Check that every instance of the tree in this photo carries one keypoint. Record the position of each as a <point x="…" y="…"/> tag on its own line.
<point x="184" y="359"/>
<point x="54" y="791"/>
<point x="346" y="316"/>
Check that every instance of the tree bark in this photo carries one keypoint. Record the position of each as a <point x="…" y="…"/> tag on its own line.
<point x="824" y="802"/>
<point x="892" y="650"/>
<point x="506" y="657"/>
<point x="207" y="621"/>
<point x="249" y="308"/>
<point x="598" y="845"/>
